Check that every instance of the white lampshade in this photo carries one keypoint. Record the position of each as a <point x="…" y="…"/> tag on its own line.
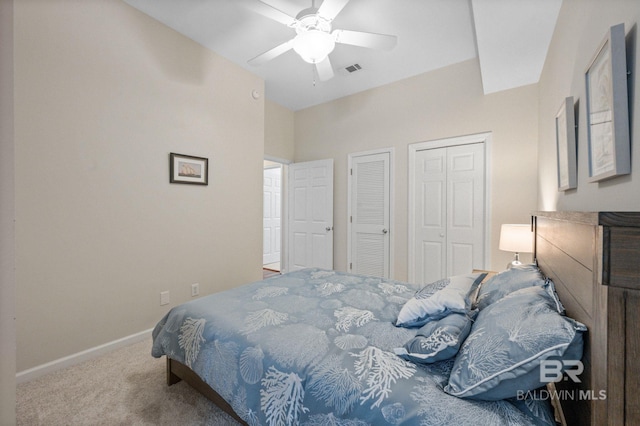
<point x="313" y="46"/>
<point x="516" y="238"/>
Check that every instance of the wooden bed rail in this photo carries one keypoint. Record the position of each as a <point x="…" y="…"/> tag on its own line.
<point x="177" y="371"/>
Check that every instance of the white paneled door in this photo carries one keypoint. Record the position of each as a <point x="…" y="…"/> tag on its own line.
<point x="447" y="207"/>
<point x="369" y="214"/>
<point x="310" y="218"/>
<point x="272" y="215"/>
<point x="430" y="215"/>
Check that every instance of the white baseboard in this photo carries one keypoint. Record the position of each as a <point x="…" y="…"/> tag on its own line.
<point x="68" y="361"/>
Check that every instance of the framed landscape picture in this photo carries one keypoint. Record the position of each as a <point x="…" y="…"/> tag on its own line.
<point x="608" y="109"/>
<point x="188" y="169"/>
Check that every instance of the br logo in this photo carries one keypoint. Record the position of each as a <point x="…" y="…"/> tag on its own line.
<point x="551" y="370"/>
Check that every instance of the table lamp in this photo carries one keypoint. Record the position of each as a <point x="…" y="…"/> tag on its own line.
<point x="516" y="238"/>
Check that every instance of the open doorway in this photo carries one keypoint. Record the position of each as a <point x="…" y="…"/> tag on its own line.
<point x="272" y="218"/>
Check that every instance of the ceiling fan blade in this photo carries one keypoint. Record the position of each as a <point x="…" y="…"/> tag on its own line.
<point x="271" y="54"/>
<point x="325" y="69"/>
<point x="329" y="9"/>
<point x="269" y="11"/>
<point x="362" y="39"/>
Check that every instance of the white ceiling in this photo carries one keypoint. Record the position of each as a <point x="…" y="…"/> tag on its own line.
<point x="511" y="38"/>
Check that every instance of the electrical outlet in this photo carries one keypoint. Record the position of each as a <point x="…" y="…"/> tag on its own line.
<point x="164" y="298"/>
<point x="195" y="289"/>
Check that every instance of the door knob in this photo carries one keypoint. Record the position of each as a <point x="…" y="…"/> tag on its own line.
<point x="329" y="228"/>
<point x="384" y="231"/>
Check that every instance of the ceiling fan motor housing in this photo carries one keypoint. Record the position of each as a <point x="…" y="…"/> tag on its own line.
<point x="308" y="19"/>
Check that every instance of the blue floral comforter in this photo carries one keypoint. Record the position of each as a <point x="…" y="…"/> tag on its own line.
<point x="315" y="347"/>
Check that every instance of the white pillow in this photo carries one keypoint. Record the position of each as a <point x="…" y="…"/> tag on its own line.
<point x="438" y="299"/>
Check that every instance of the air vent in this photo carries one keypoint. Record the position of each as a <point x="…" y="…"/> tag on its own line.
<point x="353" y="68"/>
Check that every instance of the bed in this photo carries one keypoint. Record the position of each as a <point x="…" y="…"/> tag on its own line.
<point x="323" y="347"/>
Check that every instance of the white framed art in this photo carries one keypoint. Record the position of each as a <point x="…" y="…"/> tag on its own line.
<point x="608" y="109"/>
<point x="566" y="145"/>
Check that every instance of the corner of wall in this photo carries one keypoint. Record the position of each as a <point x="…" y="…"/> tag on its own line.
<point x="279" y="141"/>
<point x="7" y="220"/>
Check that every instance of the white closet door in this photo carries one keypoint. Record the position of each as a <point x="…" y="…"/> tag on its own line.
<point x="465" y="208"/>
<point x="310" y="230"/>
<point x="431" y="215"/>
<point x="370" y="214"/>
<point x="448" y="211"/>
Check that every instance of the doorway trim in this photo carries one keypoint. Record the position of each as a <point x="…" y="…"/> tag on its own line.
<point x="284" y="216"/>
<point x="485" y="139"/>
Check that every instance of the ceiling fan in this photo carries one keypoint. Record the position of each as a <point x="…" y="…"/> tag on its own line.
<point x="315" y="39"/>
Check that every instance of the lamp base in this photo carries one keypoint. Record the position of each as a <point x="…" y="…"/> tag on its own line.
<point x="515" y="261"/>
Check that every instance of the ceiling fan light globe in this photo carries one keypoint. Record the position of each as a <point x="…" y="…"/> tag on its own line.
<point x="313" y="46"/>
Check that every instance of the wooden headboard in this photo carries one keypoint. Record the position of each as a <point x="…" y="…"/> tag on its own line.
<point x="594" y="260"/>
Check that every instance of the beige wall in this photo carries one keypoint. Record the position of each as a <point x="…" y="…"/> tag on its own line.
<point x="279" y="141"/>
<point x="103" y="94"/>
<point x="582" y="25"/>
<point x="439" y="104"/>
<point x="7" y="216"/>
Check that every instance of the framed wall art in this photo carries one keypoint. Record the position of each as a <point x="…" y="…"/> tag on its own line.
<point x="566" y="145"/>
<point x="607" y="108"/>
<point x="188" y="169"/>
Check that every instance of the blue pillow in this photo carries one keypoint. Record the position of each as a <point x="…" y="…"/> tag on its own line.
<point x="516" y="278"/>
<point x="439" y="299"/>
<point x="438" y="340"/>
<point x="510" y="339"/>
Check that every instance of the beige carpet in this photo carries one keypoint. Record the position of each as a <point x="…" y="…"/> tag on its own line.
<point x="125" y="387"/>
